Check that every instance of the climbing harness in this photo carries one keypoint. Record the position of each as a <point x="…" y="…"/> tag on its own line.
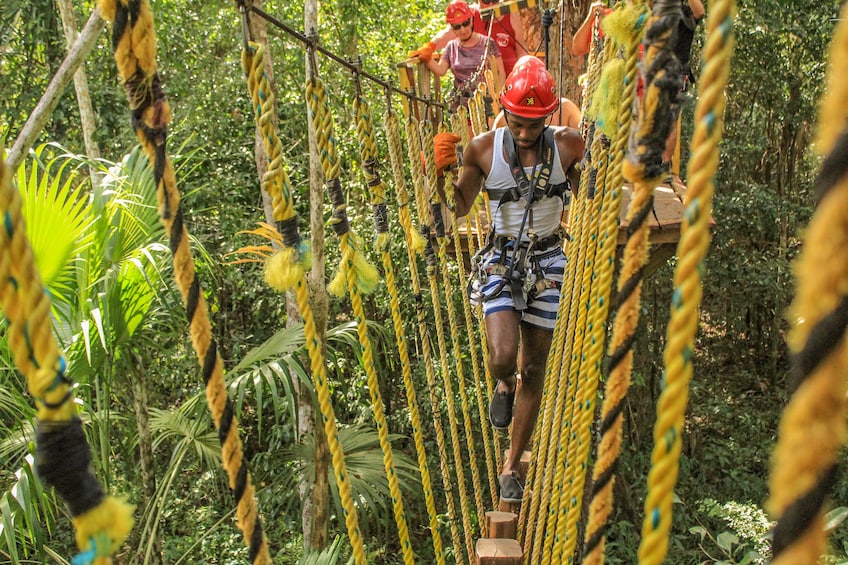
<point x="519" y="262"/>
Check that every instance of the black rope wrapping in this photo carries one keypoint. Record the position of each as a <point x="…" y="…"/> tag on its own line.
<point x="646" y="148"/>
<point x="381" y="217"/>
<point x="288" y="230"/>
<point x="834" y="167"/>
<point x="62" y="460"/>
<point x="823" y="338"/>
<point x="547" y="20"/>
<point x="801" y="514"/>
<point x="341" y="225"/>
<point x="438" y="221"/>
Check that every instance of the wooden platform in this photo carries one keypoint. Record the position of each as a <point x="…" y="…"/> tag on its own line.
<point x="667" y="218"/>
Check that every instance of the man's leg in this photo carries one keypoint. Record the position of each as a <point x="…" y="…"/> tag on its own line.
<point x="535" y="346"/>
<point x="502" y="332"/>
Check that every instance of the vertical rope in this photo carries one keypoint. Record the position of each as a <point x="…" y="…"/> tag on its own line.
<point x="616" y="386"/>
<point x="101" y="523"/>
<point x="359" y="277"/>
<point x="368" y="150"/>
<point x="287" y="269"/>
<point x="432" y="272"/>
<point x="812" y="427"/>
<point x="134" y="45"/>
<point x="661" y="75"/>
<point x="559" y="392"/>
<point x="473" y="336"/>
<point x="395" y="156"/>
<point x="432" y="385"/>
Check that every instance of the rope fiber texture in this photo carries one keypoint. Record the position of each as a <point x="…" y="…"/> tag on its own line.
<point x="812" y="428"/>
<point x="686" y="298"/>
<point x="134" y="46"/>
<point x="62" y="459"/>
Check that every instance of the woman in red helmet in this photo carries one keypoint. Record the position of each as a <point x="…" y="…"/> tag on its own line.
<point x="526" y="169"/>
<point x="467" y="56"/>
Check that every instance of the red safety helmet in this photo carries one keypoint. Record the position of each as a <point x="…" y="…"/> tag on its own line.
<point x="529" y="90"/>
<point x="458" y="12"/>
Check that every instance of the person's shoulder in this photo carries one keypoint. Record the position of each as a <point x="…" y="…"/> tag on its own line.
<point x="568" y="139"/>
<point x="565" y="133"/>
<point x="484" y="139"/>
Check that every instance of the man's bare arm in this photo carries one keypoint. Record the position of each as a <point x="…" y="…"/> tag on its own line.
<point x="472" y="176"/>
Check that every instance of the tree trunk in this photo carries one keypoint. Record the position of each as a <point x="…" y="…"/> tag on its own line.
<point x="145" y="455"/>
<point x="39" y="116"/>
<point x="87" y="119"/>
<point x="317" y="502"/>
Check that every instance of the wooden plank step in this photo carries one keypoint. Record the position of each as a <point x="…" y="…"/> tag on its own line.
<point x="498" y="552"/>
<point x="501" y="524"/>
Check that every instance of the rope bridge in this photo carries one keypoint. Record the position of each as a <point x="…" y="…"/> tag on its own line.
<point x="554" y="524"/>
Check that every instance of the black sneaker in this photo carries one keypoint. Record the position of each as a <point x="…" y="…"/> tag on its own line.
<point x="512" y="491"/>
<point x="500" y="409"/>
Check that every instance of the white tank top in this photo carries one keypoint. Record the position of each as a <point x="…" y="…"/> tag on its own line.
<point x="544" y="215"/>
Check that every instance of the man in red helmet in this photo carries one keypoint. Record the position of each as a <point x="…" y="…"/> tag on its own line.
<point x="526" y="168"/>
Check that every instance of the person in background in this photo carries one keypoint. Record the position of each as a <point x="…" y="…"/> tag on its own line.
<point x="507" y="31"/>
<point x="582" y="40"/>
<point x="693" y="13"/>
<point x="518" y="275"/>
<point x="467" y="55"/>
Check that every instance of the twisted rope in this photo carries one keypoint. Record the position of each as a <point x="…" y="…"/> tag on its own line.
<point x="134" y="46"/>
<point x="812" y="427"/>
<point x="359" y="276"/>
<point x="424" y="213"/>
<point x="63" y="456"/>
<point x="368" y="150"/>
<point x="473" y="337"/>
<point x="559" y="392"/>
<point x="287" y="265"/>
<point x="661" y="75"/>
<point x="396" y="158"/>
<point x="609" y="446"/>
<point x="432" y="272"/>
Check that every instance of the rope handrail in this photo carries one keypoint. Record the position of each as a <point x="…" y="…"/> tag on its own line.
<point x="355" y="67"/>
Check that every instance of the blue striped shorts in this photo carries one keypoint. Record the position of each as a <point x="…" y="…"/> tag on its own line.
<point x="542" y="308"/>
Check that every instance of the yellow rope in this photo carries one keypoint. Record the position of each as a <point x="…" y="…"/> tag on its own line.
<point x="135" y="54"/>
<point x="287" y="269"/>
<point x="419" y="238"/>
<point x="414" y="149"/>
<point x="575" y="378"/>
<point x="101" y="523"/>
<point x="812" y="428"/>
<point x="477" y="110"/>
<point x="395" y="156"/>
<point x="559" y="392"/>
<point x="656" y="122"/>
<point x="359" y="276"/>
<point x="473" y="336"/>
<point x="432" y="271"/>
<point x="585" y="373"/>
<point x="616" y="386"/>
<point x="368" y="150"/>
<point x="288" y="265"/>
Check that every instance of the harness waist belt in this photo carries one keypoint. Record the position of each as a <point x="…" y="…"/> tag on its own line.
<point x="502" y="241"/>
